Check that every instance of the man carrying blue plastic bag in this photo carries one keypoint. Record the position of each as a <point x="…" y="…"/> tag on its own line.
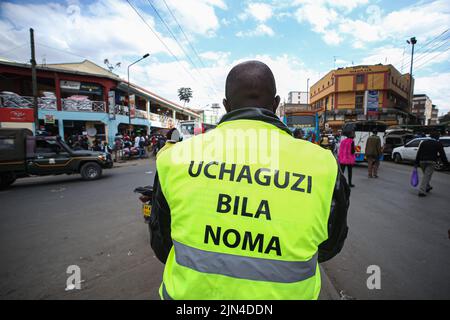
<point x="427" y="156"/>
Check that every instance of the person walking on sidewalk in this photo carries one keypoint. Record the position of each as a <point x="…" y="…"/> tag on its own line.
<point x="373" y="153"/>
<point x="346" y="156"/>
<point x="430" y="150"/>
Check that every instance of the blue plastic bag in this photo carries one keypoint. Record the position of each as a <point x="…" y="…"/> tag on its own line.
<point x="415" y="178"/>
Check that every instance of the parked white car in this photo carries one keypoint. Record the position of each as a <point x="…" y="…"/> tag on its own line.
<point x="408" y="152"/>
<point x="446" y="143"/>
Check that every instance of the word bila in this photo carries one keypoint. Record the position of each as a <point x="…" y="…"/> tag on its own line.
<point x="238" y="206"/>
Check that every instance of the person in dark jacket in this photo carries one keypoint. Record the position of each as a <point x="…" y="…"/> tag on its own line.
<point x="373" y="154"/>
<point x="160" y="225"/>
<point x="429" y="152"/>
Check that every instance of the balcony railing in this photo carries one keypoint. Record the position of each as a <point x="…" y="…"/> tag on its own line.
<point x="123" y="110"/>
<point x="165" y="121"/>
<point x="16" y="101"/>
<point x="83" y="105"/>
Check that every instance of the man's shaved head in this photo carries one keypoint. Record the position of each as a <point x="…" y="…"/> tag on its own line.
<point x="251" y="84"/>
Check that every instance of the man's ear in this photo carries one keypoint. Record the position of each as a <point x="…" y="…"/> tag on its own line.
<point x="276" y="103"/>
<point x="225" y="104"/>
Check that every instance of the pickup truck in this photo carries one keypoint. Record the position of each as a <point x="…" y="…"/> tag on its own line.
<point x="22" y="155"/>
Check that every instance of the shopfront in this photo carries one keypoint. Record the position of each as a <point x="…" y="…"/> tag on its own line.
<point x="82" y="96"/>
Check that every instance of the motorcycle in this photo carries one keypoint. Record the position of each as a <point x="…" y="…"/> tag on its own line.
<point x="146" y="199"/>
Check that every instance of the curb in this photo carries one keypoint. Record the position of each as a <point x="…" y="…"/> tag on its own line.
<point x="130" y="163"/>
<point x="328" y="290"/>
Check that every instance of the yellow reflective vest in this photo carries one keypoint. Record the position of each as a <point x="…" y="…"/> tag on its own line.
<point x="249" y="206"/>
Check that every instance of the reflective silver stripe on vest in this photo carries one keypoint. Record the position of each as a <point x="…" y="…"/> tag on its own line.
<point x="164" y="293"/>
<point x="244" y="267"/>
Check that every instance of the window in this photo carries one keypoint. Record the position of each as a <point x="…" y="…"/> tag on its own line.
<point x="47" y="146"/>
<point x="6" y="143"/>
<point x="413" y="144"/>
<point x="359" y="78"/>
<point x="445" y="142"/>
<point x="359" y="100"/>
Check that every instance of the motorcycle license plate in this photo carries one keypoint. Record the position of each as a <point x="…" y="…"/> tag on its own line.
<point x="146" y="210"/>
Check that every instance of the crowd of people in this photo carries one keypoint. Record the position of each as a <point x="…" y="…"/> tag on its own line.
<point x="140" y="145"/>
<point x="429" y="152"/>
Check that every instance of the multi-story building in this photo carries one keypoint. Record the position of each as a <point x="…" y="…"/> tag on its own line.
<point x="425" y="111"/>
<point x="297" y="97"/>
<point x="421" y="107"/>
<point x="76" y="98"/>
<point x="376" y="92"/>
<point x="434" y="119"/>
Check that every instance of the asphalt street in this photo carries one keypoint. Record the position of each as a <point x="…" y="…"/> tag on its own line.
<point x="406" y="236"/>
<point x="50" y="223"/>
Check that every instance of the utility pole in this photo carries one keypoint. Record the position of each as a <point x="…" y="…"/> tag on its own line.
<point x="412" y="42"/>
<point x="34" y="80"/>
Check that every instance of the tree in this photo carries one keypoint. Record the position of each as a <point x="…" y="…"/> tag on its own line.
<point x="185" y="94"/>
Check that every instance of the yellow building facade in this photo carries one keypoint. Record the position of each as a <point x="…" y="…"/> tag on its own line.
<point x="376" y="92"/>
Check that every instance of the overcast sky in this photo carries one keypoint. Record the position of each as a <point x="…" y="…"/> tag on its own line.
<point x="298" y="39"/>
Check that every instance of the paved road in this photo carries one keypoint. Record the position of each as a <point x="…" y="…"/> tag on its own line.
<point x="49" y="223"/>
<point x="406" y="236"/>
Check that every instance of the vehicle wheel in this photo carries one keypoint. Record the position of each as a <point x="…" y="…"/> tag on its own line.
<point x="7" y="179"/>
<point x="397" y="158"/>
<point x="91" y="171"/>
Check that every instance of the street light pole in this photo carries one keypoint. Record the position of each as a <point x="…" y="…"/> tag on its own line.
<point x="412" y="42"/>
<point x="128" y="93"/>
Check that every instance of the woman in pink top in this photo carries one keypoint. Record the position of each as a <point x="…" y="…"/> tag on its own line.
<point x="346" y="156"/>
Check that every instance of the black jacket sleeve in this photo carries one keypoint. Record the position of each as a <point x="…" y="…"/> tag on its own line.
<point x="418" y="155"/>
<point x="337" y="221"/>
<point x="159" y="225"/>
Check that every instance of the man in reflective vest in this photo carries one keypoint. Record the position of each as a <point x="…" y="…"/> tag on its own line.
<point x="246" y="211"/>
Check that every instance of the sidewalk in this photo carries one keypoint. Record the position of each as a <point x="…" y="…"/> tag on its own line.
<point x="132" y="162"/>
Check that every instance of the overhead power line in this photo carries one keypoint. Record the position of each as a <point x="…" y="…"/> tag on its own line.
<point x="423" y="47"/>
<point x="423" y="64"/>
<point x="160" y="40"/>
<point x="431" y="41"/>
<point x="61" y="50"/>
<point x="435" y="47"/>
<point x="176" y="40"/>
<point x="189" y="42"/>
<point x="14" y="48"/>
<point x="430" y="51"/>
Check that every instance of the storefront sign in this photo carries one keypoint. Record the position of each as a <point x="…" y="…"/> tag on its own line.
<point x="71" y="85"/>
<point x="90" y="88"/>
<point x="132" y="106"/>
<point x="371" y="100"/>
<point x="112" y="104"/>
<point x="16" y="114"/>
<point x="306" y="121"/>
<point x="360" y="69"/>
<point x="49" y="119"/>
